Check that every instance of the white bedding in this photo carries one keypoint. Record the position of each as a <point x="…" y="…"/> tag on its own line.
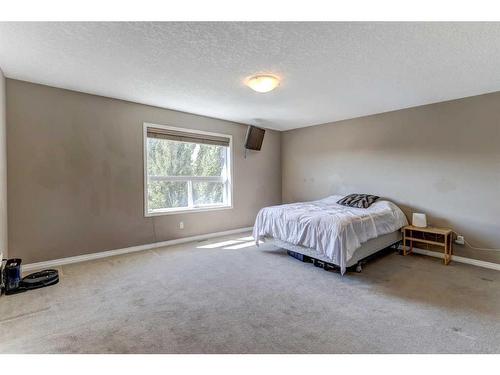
<point x="333" y="230"/>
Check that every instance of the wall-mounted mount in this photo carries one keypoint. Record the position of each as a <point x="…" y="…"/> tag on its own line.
<point x="254" y="138"/>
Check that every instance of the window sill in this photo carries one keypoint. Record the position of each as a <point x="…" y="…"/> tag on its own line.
<point x="186" y="210"/>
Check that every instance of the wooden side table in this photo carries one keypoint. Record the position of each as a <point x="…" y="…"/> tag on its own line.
<point x="442" y="237"/>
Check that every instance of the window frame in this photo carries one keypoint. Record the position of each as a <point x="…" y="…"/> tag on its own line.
<point x="179" y="210"/>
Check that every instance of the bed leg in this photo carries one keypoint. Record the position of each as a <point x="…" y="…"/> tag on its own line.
<point x="359" y="267"/>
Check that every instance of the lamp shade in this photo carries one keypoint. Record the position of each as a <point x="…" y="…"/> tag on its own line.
<point x="419" y="220"/>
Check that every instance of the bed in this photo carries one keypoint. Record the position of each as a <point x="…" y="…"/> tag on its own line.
<point x="327" y="231"/>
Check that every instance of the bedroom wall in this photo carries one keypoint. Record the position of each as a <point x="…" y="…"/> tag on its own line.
<point x="3" y="169"/>
<point x="442" y="159"/>
<point x="75" y="174"/>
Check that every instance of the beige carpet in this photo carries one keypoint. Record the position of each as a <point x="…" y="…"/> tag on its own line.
<point x="226" y="296"/>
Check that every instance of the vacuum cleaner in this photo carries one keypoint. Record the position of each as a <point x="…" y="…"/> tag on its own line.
<point x="13" y="282"/>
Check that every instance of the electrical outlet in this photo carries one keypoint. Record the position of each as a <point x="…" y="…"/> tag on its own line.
<point x="181" y="225"/>
<point x="460" y="240"/>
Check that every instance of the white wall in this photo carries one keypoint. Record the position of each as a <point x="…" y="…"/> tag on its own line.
<point x="3" y="169"/>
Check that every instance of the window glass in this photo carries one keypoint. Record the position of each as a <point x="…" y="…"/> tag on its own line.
<point x="186" y="175"/>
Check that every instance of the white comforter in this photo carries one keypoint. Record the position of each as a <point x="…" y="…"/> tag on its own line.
<point x="333" y="230"/>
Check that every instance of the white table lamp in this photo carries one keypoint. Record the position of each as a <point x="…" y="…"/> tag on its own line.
<point x="419" y="220"/>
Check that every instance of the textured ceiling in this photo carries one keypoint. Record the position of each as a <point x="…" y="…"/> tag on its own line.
<point x="330" y="71"/>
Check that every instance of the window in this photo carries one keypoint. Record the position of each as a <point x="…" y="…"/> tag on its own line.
<point x="185" y="170"/>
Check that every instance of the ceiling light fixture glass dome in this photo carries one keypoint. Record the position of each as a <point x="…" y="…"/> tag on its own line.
<point x="263" y="82"/>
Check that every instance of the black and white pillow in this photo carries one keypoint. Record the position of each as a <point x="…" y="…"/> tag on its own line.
<point x="358" y="200"/>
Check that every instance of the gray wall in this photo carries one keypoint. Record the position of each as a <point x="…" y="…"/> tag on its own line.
<point x="75" y="174"/>
<point x="76" y="185"/>
<point x="442" y="159"/>
<point x="3" y="169"/>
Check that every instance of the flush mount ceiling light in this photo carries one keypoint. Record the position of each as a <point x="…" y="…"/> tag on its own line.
<point x="263" y="82"/>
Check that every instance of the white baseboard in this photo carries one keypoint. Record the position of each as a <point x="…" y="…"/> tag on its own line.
<point x="132" y="249"/>
<point x="456" y="258"/>
<point x="201" y="237"/>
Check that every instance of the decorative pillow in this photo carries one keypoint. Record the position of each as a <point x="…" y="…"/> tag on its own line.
<point x="358" y="200"/>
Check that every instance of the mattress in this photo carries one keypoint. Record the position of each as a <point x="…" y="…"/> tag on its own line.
<point x="365" y="250"/>
<point x="333" y="231"/>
